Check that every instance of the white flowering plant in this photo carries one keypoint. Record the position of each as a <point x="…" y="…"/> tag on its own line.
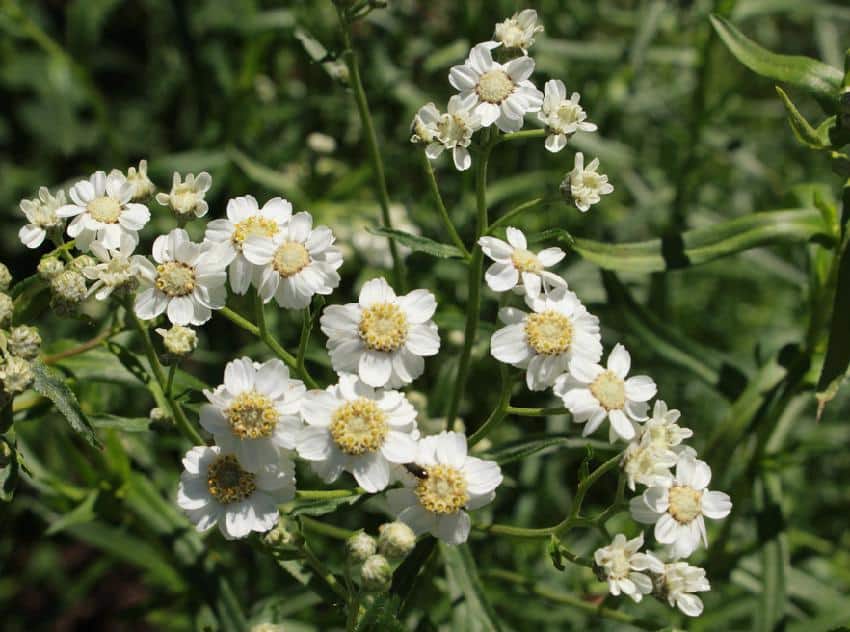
<point x="483" y="385"/>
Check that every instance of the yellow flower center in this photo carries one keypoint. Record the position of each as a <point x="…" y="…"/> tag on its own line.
<point x="175" y="278"/>
<point x="253" y="226"/>
<point x="549" y="333"/>
<point x="568" y="114"/>
<point x="526" y="261"/>
<point x="443" y="491"/>
<point x="359" y="427"/>
<point x="184" y="198"/>
<point x="591" y="180"/>
<point x="105" y="209"/>
<point x="494" y="86"/>
<point x="685" y="504"/>
<point x="228" y="482"/>
<point x="610" y="390"/>
<point x="252" y="415"/>
<point x="290" y="258"/>
<point x="383" y="327"/>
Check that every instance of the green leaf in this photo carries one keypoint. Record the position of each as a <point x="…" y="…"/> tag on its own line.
<point x="48" y="383"/>
<point x="805" y="133"/>
<point x="9" y="469"/>
<point x="382" y="615"/>
<point x="82" y="513"/>
<point x="837" y="361"/>
<point x="418" y="243"/>
<point x="534" y="443"/>
<point x="125" y="424"/>
<point x="770" y="523"/>
<point x="707" y="243"/>
<point x="815" y="77"/>
<point x="321" y="506"/>
<point x="472" y="611"/>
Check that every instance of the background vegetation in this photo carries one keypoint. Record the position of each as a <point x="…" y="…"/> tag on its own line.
<point x="688" y="136"/>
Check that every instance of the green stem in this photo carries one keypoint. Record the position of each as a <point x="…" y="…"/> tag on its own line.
<point x="239" y="321"/>
<point x="536" y="412"/>
<point x="325" y="494"/>
<point x="441" y="207"/>
<point x="306" y="330"/>
<point x="322" y="571"/>
<point x="170" y="385"/>
<point x="371" y="141"/>
<point x="322" y="528"/>
<point x="529" y="133"/>
<point x="517" y="210"/>
<point x="499" y="412"/>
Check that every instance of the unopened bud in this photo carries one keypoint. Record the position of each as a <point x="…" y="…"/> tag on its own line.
<point x="69" y="290"/>
<point x="360" y="547"/>
<point x="7" y="308"/>
<point x="24" y="341"/>
<point x="396" y="540"/>
<point x="282" y="536"/>
<point x="179" y="341"/>
<point x="157" y="414"/>
<point x="16" y="375"/>
<point x="5" y="278"/>
<point x="50" y="267"/>
<point x="82" y="262"/>
<point x="376" y="574"/>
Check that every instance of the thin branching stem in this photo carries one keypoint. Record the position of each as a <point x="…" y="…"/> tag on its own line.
<point x="441" y="207"/>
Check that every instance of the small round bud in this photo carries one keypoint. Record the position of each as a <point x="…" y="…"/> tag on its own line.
<point x="360" y="546"/>
<point x="157" y="414"/>
<point x="179" y="341"/>
<point x="16" y="375"/>
<point x="24" y="341"/>
<point x="396" y="540"/>
<point x="281" y="536"/>
<point x="69" y="290"/>
<point x="82" y="262"/>
<point x="5" y="278"/>
<point x="50" y="267"/>
<point x="7" y="308"/>
<point x="376" y="574"/>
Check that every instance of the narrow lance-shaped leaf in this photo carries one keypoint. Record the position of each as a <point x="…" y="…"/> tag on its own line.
<point x="805" y="133"/>
<point x="418" y="243"/>
<point x="837" y="360"/>
<point x="48" y="383"/>
<point x="464" y="581"/>
<point x="532" y="444"/>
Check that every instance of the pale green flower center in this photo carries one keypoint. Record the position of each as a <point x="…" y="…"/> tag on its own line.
<point x="610" y="390"/>
<point x="291" y="257"/>
<point x="685" y="504"/>
<point x="359" y="427"/>
<point x="526" y="261"/>
<point x="105" y="209"/>
<point x="495" y="86"/>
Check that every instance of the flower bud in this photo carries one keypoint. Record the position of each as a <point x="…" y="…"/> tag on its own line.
<point x="16" y="375"/>
<point x="82" y="262"/>
<point x="157" y="414"/>
<point x="69" y="290"/>
<point x="24" y="341"/>
<point x="283" y="537"/>
<point x="376" y="574"/>
<point x="50" y="267"/>
<point x="179" y="341"/>
<point x="5" y="278"/>
<point x="360" y="546"/>
<point x="396" y="540"/>
<point x="7" y="308"/>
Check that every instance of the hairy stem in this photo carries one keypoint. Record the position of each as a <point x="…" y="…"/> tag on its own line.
<point x="441" y="207"/>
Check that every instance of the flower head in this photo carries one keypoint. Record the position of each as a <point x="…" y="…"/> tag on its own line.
<point x="655" y="449"/>
<point x="376" y="574"/>
<point x="396" y="539"/>
<point x="623" y="567"/>
<point x="424" y="128"/>
<point x="24" y="341"/>
<point x="143" y="188"/>
<point x="584" y="185"/>
<point x="563" y="117"/>
<point x="678" y="582"/>
<point x="15" y="374"/>
<point x="516" y="266"/>
<point x="517" y="31"/>
<point x="179" y="341"/>
<point x="452" y="130"/>
<point x="187" y="196"/>
<point x="383" y="337"/>
<point x="50" y="267"/>
<point x="360" y="546"/>
<point x="114" y="269"/>
<point x="41" y="215"/>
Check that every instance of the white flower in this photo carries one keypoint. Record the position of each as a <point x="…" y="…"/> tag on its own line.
<point x="621" y="564"/>
<point x="246" y="219"/>
<point x="678" y="582"/>
<point x="516" y="265"/>
<point x="382" y="338"/>
<point x="453" y="482"/>
<point x="115" y="270"/>
<point x="187" y="196"/>
<point x="677" y="509"/>
<point x="102" y="210"/>
<point x="585" y="186"/>
<point x="560" y="335"/>
<point x="517" y="31"/>
<point x="655" y="449"/>
<point x="498" y="93"/>
<point x="143" y="188"/>
<point x="593" y="393"/>
<point x="179" y="341"/>
<point x="41" y="215"/>
<point x="215" y="489"/>
<point x="454" y="131"/>
<point x="254" y="414"/>
<point x="355" y="428"/>
<point x="187" y="282"/>
<point x="563" y="117"/>
<point x="297" y="263"/>
<point x="424" y="129"/>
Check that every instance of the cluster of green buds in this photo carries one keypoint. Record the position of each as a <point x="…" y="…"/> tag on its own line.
<point x="19" y="345"/>
<point x="376" y="560"/>
<point x="67" y="282"/>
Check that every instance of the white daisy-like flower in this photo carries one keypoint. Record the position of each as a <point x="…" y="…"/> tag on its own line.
<point x="559" y="335"/>
<point x="297" y="263"/>
<point x="143" y="188"/>
<point x="515" y="265"/>
<point x="102" y="210"/>
<point x="451" y="484"/>
<point x="246" y="219"/>
<point x="655" y="449"/>
<point x="187" y="196"/>
<point x="517" y="31"/>
<point x="585" y="185"/>
<point x="677" y="583"/>
<point x="115" y="269"/>
<point x="216" y="489"/>
<point x="383" y="337"/>
<point x="41" y="215"/>
<point x="352" y="427"/>
<point x="254" y="414"/>
<point x="424" y="129"/>
<point x="498" y="93"/>
<point x="563" y="117"/>
<point x="678" y="509"/>
<point x="188" y="281"/>
<point x="455" y="129"/>
<point x="593" y="393"/>
<point x="624" y="567"/>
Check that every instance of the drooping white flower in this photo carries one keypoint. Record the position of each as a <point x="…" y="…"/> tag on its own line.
<point x="143" y="188"/>
<point x="515" y="265"/>
<point x="41" y="215"/>
<point x="678" y="509"/>
<point x="115" y="269"/>
<point x="584" y="185"/>
<point x="454" y="131"/>
<point x="453" y="483"/>
<point x="187" y="282"/>
<point x="424" y="128"/>
<point x="382" y="338"/>
<point x="655" y="449"/>
<point x="563" y="117"/>
<point x="677" y="583"/>
<point x="352" y="427"/>
<point x="102" y="211"/>
<point x="517" y="31"/>
<point x="297" y="263"/>
<point x="623" y="566"/>
<point x="216" y="489"/>
<point x="559" y="335"/>
<point x="246" y="219"/>
<point x="187" y="196"/>
<point x="499" y="93"/>
<point x="254" y="414"/>
<point x="593" y="393"/>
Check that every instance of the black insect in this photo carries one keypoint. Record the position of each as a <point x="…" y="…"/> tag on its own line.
<point x="416" y="470"/>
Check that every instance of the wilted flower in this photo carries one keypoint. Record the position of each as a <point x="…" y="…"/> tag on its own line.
<point x="584" y="185"/>
<point x="563" y="117"/>
<point x="143" y="188"/>
<point x="187" y="196"/>
<point x="179" y="341"/>
<point x="41" y="215"/>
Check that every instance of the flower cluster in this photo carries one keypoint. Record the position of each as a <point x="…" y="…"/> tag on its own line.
<point x="19" y="346"/>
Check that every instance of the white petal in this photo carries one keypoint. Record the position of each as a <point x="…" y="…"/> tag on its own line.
<point x="314" y="443"/>
<point x="619" y="361"/>
<point x="399" y="447"/>
<point x="418" y="306"/>
<point x="239" y="375"/>
<point x="372" y="472"/>
<point x="375" y="368"/>
<point x="453" y="528"/>
<point x="640" y="388"/>
<point x="508" y="345"/>
<point x="451" y="448"/>
<point x="716" y="505"/>
<point x="501" y="277"/>
<point x="376" y="291"/>
<point x="482" y="477"/>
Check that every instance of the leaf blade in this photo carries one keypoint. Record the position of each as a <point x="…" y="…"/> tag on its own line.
<point x="417" y="243"/>
<point x="47" y="383"/>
